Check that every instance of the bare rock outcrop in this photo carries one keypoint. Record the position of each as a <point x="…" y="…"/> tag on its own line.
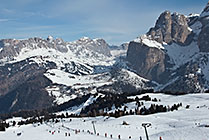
<point x="203" y="38"/>
<point x="171" y="28"/>
<point x="147" y="61"/>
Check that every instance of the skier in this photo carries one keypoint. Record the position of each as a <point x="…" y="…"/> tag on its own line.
<point x="161" y="138"/>
<point x="140" y="138"/>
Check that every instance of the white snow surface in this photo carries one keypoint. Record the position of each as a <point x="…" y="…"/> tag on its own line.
<point x="61" y="58"/>
<point x="132" y="78"/>
<point x="77" y="109"/>
<point x="121" y="52"/>
<point x="149" y="42"/>
<point x="180" y="55"/>
<point x="74" y="81"/>
<point x="61" y="77"/>
<point x="60" y="98"/>
<point x="152" y="43"/>
<point x="184" y="124"/>
<point x="193" y="15"/>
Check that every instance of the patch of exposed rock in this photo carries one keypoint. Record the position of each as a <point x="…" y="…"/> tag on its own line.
<point x="147" y="61"/>
<point x="203" y="38"/>
<point x="171" y="28"/>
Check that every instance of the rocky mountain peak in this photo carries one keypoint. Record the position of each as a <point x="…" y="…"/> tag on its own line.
<point x="50" y="38"/>
<point x="84" y="39"/>
<point x="100" y="40"/>
<point x="205" y="11"/>
<point x="163" y="20"/>
<point x="13" y="49"/>
<point x="174" y="38"/>
<point x="96" y="45"/>
<point x="204" y="33"/>
<point x="171" y="28"/>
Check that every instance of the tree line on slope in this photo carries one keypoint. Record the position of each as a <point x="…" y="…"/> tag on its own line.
<point x="102" y="106"/>
<point x="42" y="112"/>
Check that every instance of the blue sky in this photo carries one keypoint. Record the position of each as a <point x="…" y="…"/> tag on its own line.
<point x="116" y="21"/>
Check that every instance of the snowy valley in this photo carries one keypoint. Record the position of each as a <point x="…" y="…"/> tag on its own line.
<point x="186" y="124"/>
<point x="54" y="89"/>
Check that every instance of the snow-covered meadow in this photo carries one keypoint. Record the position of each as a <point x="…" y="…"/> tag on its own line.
<point x="184" y="124"/>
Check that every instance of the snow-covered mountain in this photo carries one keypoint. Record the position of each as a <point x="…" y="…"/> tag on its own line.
<point x="38" y="73"/>
<point x="173" y="57"/>
<point x="174" y="53"/>
<point x="87" y="89"/>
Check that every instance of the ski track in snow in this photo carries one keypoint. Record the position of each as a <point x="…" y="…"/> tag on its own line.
<point x="183" y="124"/>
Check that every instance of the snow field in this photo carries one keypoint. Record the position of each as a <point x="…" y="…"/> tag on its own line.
<point x="184" y="124"/>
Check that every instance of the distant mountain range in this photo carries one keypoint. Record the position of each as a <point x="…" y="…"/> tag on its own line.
<point x="173" y="57"/>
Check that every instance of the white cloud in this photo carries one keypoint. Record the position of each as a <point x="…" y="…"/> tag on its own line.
<point x="7" y="11"/>
<point x="4" y="20"/>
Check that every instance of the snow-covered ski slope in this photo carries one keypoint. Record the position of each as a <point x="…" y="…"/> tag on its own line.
<point x="184" y="124"/>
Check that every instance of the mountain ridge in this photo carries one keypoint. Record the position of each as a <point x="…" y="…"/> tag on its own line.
<point x="73" y="69"/>
<point x="180" y="59"/>
<point x="171" y="57"/>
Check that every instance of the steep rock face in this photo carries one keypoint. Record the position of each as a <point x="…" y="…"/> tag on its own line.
<point x="13" y="75"/>
<point x="162" y="30"/>
<point x="29" y="95"/>
<point x="147" y="61"/>
<point x="22" y="86"/>
<point x="170" y="28"/>
<point x="183" y="67"/>
<point x="203" y="38"/>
